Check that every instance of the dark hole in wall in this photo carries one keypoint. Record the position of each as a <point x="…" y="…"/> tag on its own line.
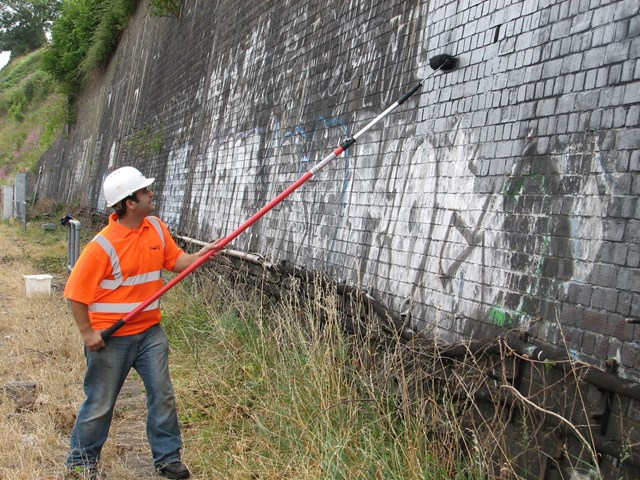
<point x="496" y="34"/>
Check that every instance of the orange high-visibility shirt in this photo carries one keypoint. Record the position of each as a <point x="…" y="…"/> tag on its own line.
<point x="119" y="269"/>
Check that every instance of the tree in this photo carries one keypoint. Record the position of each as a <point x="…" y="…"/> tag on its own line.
<point x="24" y="23"/>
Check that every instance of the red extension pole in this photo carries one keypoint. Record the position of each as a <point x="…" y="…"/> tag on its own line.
<point x="294" y="186"/>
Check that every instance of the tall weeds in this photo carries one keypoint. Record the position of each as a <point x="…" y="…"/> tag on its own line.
<point x="281" y="391"/>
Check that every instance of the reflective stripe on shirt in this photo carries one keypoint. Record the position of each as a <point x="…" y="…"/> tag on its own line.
<point x="118" y="281"/>
<point x="156" y="225"/>
<point x="120" y="307"/>
<point x="115" y="263"/>
<point x="133" y="280"/>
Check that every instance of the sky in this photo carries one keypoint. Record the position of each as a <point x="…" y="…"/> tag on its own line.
<point x="4" y="58"/>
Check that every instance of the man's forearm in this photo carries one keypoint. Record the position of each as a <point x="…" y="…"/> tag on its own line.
<point x="91" y="338"/>
<point x="187" y="259"/>
<point x="80" y="312"/>
<point x="184" y="261"/>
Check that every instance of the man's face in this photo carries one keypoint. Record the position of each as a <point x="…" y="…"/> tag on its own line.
<point x="145" y="204"/>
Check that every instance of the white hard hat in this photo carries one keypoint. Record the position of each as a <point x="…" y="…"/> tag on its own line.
<point x="122" y="182"/>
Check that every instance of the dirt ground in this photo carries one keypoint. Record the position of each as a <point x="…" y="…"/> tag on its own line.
<point x="41" y="370"/>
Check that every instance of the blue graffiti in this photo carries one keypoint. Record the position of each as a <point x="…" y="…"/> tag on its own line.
<point x="297" y="131"/>
<point x="298" y="134"/>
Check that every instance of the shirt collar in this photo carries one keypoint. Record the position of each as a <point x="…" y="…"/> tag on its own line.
<point x="123" y="231"/>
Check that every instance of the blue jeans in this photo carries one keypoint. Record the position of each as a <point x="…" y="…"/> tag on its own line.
<point x="107" y="369"/>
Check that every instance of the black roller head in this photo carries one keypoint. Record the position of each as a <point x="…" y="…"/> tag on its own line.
<point x="443" y="62"/>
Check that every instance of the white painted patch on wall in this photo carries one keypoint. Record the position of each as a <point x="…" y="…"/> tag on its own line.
<point x="588" y="209"/>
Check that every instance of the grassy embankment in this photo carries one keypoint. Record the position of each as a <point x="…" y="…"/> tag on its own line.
<point x="32" y="114"/>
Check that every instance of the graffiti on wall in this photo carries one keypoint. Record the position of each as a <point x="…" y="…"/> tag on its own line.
<point x="421" y="211"/>
<point x="479" y="248"/>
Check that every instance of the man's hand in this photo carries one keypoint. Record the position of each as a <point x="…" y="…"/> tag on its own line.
<point x="212" y="246"/>
<point x="187" y="259"/>
<point x="93" y="340"/>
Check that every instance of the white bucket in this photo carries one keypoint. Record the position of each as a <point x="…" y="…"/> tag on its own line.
<point x="36" y="284"/>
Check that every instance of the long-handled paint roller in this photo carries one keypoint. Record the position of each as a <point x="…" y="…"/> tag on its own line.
<point x="441" y="62"/>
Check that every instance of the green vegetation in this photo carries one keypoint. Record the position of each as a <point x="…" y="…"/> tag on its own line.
<point x="273" y="391"/>
<point x="35" y="88"/>
<point x="164" y="8"/>
<point x="86" y="33"/>
<point x="144" y="142"/>
<point x="32" y="114"/>
<point x="83" y="38"/>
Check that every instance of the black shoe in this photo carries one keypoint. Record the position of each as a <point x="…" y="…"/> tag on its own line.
<point x="174" y="470"/>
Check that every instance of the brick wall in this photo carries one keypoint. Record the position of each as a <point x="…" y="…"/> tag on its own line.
<point x="503" y="196"/>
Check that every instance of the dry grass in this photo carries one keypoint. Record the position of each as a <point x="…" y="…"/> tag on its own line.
<point x="38" y="343"/>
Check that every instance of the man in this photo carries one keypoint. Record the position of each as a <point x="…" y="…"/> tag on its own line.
<point x="120" y="268"/>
